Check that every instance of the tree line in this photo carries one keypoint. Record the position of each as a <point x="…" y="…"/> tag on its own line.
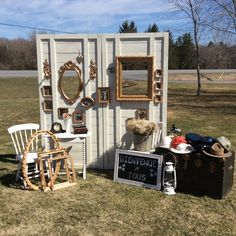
<point x="20" y="54"/>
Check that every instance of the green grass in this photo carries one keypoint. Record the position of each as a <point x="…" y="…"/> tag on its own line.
<point x="97" y="205"/>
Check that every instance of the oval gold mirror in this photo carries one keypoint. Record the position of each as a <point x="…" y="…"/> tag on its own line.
<point x="70" y="82"/>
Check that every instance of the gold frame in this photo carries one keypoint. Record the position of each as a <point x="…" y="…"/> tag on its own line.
<point x="119" y="95"/>
<point x="70" y="66"/>
<point x="100" y="90"/>
<point x="78" y="121"/>
<point x="89" y="99"/>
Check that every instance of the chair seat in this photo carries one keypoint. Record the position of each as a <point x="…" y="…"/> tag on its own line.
<point x="31" y="157"/>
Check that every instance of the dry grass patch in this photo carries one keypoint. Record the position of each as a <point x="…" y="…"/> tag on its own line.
<point x="206" y="76"/>
<point x="99" y="206"/>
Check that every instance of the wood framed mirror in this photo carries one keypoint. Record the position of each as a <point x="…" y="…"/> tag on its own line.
<point x="134" y="78"/>
<point x="70" y="83"/>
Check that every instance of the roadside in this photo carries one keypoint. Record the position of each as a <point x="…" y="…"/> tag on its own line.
<point x="174" y="76"/>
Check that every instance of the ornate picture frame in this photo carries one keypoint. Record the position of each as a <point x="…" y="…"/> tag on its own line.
<point x="70" y="66"/>
<point x="133" y="74"/>
<point x="87" y="102"/>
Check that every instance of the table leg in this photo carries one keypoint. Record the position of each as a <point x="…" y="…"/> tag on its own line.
<point x="84" y="159"/>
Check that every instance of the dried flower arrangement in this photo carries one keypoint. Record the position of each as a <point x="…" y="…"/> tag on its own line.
<point x="140" y="126"/>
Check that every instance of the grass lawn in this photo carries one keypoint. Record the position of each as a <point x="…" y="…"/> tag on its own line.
<point x="97" y="205"/>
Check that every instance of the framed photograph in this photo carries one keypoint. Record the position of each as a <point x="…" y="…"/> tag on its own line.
<point x="157" y="98"/>
<point x="136" y="168"/>
<point x="61" y="111"/>
<point x="78" y="117"/>
<point x="47" y="91"/>
<point x="141" y="114"/>
<point x="103" y="94"/>
<point x="47" y="105"/>
<point x="158" y="72"/>
<point x="87" y="102"/>
<point x="157" y="86"/>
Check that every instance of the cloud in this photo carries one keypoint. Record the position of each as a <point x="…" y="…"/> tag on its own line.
<point x="80" y="16"/>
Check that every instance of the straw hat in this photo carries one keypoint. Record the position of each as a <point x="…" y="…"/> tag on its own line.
<point x="216" y="150"/>
<point x="225" y="143"/>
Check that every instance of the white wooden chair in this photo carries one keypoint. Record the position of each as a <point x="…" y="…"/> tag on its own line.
<point x="20" y="135"/>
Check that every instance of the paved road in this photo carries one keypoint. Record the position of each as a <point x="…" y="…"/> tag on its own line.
<point x="18" y="73"/>
<point x="203" y="81"/>
<point x="34" y="73"/>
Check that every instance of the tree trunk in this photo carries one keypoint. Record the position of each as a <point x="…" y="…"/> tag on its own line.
<point x="198" y="78"/>
<point x="195" y="18"/>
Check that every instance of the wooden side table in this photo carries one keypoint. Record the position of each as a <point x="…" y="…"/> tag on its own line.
<point x="68" y="137"/>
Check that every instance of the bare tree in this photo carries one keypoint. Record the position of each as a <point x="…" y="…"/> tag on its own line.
<point x="193" y="9"/>
<point x="222" y="16"/>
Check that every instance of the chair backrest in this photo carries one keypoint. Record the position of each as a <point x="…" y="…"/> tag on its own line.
<point x="157" y="135"/>
<point x="20" y="135"/>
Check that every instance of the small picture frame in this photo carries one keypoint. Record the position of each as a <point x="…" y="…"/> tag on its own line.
<point x="87" y="102"/>
<point x="47" y="91"/>
<point x="61" y="111"/>
<point x="141" y="114"/>
<point x="158" y="73"/>
<point x="157" y="86"/>
<point x="78" y="117"/>
<point x="157" y="98"/>
<point x="47" y="105"/>
<point x="103" y="94"/>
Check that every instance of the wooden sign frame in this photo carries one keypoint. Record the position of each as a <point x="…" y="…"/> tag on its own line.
<point x="138" y="164"/>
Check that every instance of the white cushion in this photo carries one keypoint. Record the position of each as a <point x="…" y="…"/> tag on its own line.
<point x="31" y="157"/>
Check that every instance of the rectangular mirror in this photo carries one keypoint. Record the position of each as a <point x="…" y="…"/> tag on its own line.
<point x="134" y="78"/>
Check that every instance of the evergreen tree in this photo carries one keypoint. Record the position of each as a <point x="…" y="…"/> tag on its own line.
<point x="185" y="51"/>
<point x="173" y="60"/>
<point x="152" y="28"/>
<point x="127" y="27"/>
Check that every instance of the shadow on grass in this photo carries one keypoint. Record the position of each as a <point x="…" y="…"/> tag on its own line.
<point x="7" y="175"/>
<point x="108" y="174"/>
<point x="8" y="158"/>
<point x="8" y="180"/>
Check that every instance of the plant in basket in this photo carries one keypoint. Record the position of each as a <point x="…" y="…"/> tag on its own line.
<point x="143" y="132"/>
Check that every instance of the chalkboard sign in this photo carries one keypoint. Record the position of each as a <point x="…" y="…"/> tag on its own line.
<point x="137" y="168"/>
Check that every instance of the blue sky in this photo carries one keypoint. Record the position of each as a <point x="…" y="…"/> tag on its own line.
<point x="88" y="16"/>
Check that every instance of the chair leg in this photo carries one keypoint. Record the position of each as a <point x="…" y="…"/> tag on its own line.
<point x="18" y="174"/>
<point x="18" y="171"/>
